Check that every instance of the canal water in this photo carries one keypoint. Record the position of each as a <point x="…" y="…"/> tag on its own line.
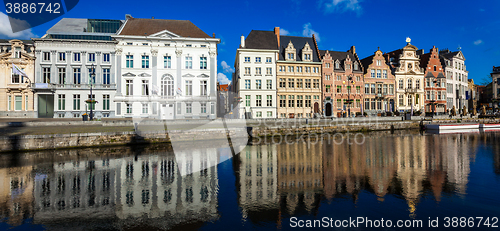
<point x="407" y="179"/>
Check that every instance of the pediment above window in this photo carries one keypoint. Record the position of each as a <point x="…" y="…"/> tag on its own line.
<point x="144" y="75"/>
<point x="128" y="74"/>
<point x="165" y="33"/>
<point x="188" y="75"/>
<point x="203" y="76"/>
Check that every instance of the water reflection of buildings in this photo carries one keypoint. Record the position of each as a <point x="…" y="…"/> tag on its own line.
<point x="16" y="194"/>
<point x="300" y="175"/>
<point x="258" y="180"/>
<point x="154" y="189"/>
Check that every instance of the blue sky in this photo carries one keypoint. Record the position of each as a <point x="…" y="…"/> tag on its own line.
<point x="339" y="24"/>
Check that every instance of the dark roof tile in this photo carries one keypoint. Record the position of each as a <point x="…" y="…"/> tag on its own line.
<point x="141" y="27"/>
<point x="258" y="39"/>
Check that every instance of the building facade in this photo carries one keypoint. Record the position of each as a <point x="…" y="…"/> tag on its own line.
<point x="405" y="65"/>
<point x="255" y="72"/>
<point x="75" y="56"/>
<point x="166" y="69"/>
<point x="456" y="78"/>
<point x="299" y="77"/>
<point x="495" y="76"/>
<point x="379" y="85"/>
<point x="345" y="74"/>
<point x="16" y="96"/>
<point x="435" y="82"/>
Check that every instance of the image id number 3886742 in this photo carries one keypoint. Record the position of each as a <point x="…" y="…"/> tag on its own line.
<point x="454" y="222"/>
<point x="33" y="8"/>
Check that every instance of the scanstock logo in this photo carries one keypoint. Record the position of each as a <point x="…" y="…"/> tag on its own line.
<point x="25" y="14"/>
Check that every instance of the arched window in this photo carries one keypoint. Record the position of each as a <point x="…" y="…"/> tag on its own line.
<point x="167" y="85"/>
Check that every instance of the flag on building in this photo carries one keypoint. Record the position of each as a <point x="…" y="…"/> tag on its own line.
<point x="18" y="71"/>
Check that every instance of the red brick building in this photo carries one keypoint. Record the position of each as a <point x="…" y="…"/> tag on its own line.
<point x="379" y="85"/>
<point x="342" y="82"/>
<point x="435" y="82"/>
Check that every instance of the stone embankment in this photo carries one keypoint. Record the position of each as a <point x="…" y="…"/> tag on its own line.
<point x="184" y="131"/>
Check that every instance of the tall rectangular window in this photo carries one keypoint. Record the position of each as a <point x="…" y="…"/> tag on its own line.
<point x="269" y="100"/>
<point x="189" y="108"/>
<point x="203" y="63"/>
<point x="76" y="57"/>
<point x="257" y="59"/>
<point x="269" y="60"/>
<point x="282" y="100"/>
<point x="129" y="108"/>
<point x="247" y="84"/>
<point x="105" y="102"/>
<point x="203" y="87"/>
<point x="379" y="74"/>
<point x="76" y="102"/>
<point x="145" y="108"/>
<point x="203" y="108"/>
<point x="189" y="62"/>
<point x="385" y="74"/>
<point x="258" y="101"/>
<point x="258" y="84"/>
<point x="247" y="100"/>
<point x="46" y="74"/>
<point x="18" y="103"/>
<point x="77" y="75"/>
<point x="46" y="56"/>
<point x="106" y="58"/>
<point x="258" y="71"/>
<point x="15" y="78"/>
<point x="145" y="61"/>
<point x="129" y="87"/>
<point x="62" y="75"/>
<point x="91" y="57"/>
<point x="61" y="102"/>
<point x="106" y="76"/>
<point x="145" y="87"/>
<point x="189" y="87"/>
<point x="247" y="70"/>
<point x="269" y="70"/>
<point x="91" y="76"/>
<point x="129" y="61"/>
<point x="26" y="102"/>
<point x="61" y="56"/>
<point x="167" y="62"/>
<point x="269" y="84"/>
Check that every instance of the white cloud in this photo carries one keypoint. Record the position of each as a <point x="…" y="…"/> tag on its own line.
<point x="222" y="78"/>
<point x="341" y="5"/>
<point x="478" y="42"/>
<point x="284" y="32"/>
<point x="227" y="68"/>
<point x="308" y="32"/>
<point x="6" y="30"/>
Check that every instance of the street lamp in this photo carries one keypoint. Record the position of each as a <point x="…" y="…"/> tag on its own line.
<point x="349" y="79"/>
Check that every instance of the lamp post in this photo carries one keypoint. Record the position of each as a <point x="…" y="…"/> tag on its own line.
<point x="349" y="79"/>
<point x="91" y="81"/>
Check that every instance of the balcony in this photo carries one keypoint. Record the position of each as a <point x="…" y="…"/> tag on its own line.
<point x="411" y="90"/>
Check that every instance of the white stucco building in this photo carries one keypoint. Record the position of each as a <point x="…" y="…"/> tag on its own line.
<point x="65" y="58"/>
<point x="255" y="75"/>
<point x="405" y="64"/>
<point x="166" y="69"/>
<point x="456" y="78"/>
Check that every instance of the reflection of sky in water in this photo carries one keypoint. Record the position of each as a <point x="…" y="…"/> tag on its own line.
<point x="390" y="177"/>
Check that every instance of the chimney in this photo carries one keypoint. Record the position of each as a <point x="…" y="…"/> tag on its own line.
<point x="277" y="33"/>
<point x="213" y="35"/>
<point x="242" y="43"/>
<point x="353" y="50"/>
<point x="128" y="16"/>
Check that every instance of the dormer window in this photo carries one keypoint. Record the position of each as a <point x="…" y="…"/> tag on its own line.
<point x="306" y="52"/>
<point x="356" y="66"/>
<point x="17" y="52"/>
<point x="290" y="52"/>
<point x="379" y="63"/>
<point x="337" y="65"/>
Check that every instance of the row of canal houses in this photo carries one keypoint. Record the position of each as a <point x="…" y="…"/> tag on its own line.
<point x="167" y="69"/>
<point x="279" y="76"/>
<point x="135" y="67"/>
